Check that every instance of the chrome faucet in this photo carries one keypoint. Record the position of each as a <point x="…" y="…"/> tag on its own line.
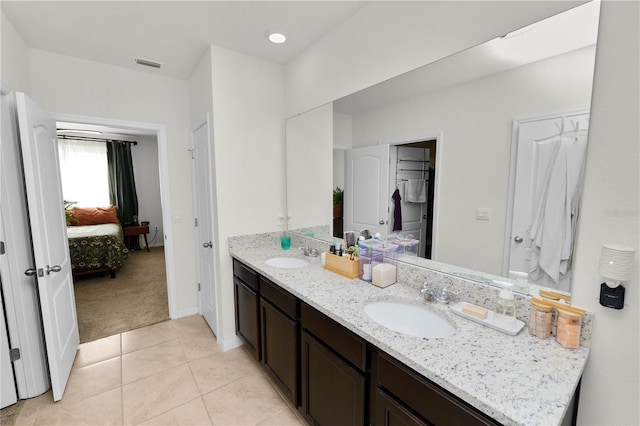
<point x="443" y="295"/>
<point x="311" y="252"/>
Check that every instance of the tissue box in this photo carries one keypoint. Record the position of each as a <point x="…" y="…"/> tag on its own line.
<point x="383" y="275"/>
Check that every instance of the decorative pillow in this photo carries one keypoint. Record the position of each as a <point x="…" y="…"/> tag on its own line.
<point x="94" y="215"/>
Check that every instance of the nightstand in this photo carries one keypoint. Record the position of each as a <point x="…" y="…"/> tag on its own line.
<point x="134" y="231"/>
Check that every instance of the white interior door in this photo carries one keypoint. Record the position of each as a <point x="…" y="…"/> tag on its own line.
<point x="204" y="229"/>
<point x="530" y="135"/>
<point x="49" y="235"/>
<point x="366" y="194"/>
<point x="8" y="394"/>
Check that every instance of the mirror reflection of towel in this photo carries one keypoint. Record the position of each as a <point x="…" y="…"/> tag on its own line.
<point x="415" y="191"/>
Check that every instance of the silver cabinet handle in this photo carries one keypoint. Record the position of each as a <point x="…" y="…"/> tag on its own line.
<point x="51" y="269"/>
<point x="518" y="239"/>
<point x="30" y="272"/>
<point x="207" y="245"/>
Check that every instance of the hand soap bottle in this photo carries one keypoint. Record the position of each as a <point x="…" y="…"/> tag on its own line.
<point x="505" y="312"/>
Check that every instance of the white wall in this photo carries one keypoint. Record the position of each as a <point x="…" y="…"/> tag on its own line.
<point x="248" y="133"/>
<point x="385" y="39"/>
<point x="309" y="149"/>
<point x="476" y="119"/>
<point x="147" y="174"/>
<point x="67" y="85"/>
<point x="610" y="212"/>
<point x="14" y="63"/>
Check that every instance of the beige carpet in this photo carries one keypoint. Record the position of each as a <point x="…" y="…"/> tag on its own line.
<point x="135" y="298"/>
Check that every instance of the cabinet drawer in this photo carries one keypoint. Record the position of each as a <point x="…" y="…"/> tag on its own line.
<point x="350" y="346"/>
<point x="247" y="275"/>
<point x="280" y="298"/>
<point x="431" y="402"/>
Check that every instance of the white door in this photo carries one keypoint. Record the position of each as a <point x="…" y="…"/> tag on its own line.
<point x="49" y="235"/>
<point x="204" y="229"/>
<point x="529" y="141"/>
<point x="8" y="394"/>
<point x="366" y="181"/>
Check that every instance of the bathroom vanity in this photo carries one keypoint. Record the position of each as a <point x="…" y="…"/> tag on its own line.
<point x="308" y="328"/>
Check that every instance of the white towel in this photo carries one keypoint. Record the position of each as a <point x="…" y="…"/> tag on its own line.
<point x="415" y="191"/>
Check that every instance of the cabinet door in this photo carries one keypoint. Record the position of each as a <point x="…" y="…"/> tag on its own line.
<point x="247" y="317"/>
<point x="281" y="349"/>
<point x="333" y="392"/>
<point x="389" y="412"/>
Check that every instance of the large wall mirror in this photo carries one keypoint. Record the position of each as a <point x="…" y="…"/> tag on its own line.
<point x="469" y="103"/>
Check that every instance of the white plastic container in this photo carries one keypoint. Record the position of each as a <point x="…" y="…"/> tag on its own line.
<point x="505" y="311"/>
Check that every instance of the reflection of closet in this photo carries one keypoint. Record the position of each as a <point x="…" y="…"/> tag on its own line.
<point x="414" y="161"/>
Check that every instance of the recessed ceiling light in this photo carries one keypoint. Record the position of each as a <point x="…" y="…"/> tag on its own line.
<point x="277" y="38"/>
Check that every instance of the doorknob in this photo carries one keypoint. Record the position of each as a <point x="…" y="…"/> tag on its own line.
<point x="207" y="245"/>
<point x="381" y="222"/>
<point x="30" y="272"/>
<point x="518" y="239"/>
<point x="51" y="269"/>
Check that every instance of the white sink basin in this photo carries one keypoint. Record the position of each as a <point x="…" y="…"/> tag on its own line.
<point x="286" y="262"/>
<point x="409" y="319"/>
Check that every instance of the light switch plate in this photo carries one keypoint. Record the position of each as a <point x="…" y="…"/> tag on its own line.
<point x="483" y="213"/>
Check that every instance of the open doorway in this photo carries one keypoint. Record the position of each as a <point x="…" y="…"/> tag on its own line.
<point x="412" y="170"/>
<point x="135" y="292"/>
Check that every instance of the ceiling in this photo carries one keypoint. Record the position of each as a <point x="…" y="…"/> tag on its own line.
<point x="174" y="33"/>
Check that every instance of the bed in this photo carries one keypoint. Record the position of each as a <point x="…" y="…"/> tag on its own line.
<point x="96" y="247"/>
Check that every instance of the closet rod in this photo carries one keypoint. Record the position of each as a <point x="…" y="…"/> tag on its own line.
<point x="413" y="161"/>
<point x="90" y="139"/>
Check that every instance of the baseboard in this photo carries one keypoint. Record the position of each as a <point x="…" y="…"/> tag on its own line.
<point x="228" y="344"/>
<point x="187" y="312"/>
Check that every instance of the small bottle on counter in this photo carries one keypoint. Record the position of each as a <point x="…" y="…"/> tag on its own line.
<point x="540" y="319"/>
<point x="568" y="328"/>
<point x="505" y="312"/>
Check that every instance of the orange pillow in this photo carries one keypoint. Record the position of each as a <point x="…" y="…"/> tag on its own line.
<point x="94" y="215"/>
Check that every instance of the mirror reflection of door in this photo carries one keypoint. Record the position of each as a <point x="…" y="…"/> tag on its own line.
<point x="373" y="174"/>
<point x="547" y="175"/>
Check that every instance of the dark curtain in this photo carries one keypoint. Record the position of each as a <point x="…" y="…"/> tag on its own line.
<point x="122" y="185"/>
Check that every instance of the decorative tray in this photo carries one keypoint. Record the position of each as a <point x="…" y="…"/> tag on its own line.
<point x="489" y="320"/>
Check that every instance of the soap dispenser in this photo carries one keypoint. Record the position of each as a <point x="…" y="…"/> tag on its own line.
<point x="505" y="312"/>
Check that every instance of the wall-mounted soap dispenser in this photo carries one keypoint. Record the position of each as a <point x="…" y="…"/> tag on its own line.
<point x="615" y="267"/>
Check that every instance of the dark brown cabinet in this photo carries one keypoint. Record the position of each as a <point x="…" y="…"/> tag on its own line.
<point x="247" y="306"/>
<point x="333" y="372"/>
<point x="390" y="412"/>
<point x="424" y="400"/>
<point x="280" y="332"/>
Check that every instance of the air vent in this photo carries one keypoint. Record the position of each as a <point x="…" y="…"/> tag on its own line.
<point x="147" y="62"/>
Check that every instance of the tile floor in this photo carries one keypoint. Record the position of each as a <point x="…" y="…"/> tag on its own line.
<point x="171" y="373"/>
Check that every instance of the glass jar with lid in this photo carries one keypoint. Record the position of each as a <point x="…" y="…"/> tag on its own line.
<point x="540" y="318"/>
<point x="568" y="328"/>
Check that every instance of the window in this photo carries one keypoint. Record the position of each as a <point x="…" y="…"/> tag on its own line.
<point x="84" y="172"/>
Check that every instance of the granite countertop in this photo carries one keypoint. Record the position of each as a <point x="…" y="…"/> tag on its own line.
<point x="514" y="379"/>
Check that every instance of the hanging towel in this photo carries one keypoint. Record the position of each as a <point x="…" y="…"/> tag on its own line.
<point x="416" y="191"/>
<point x="397" y="211"/>
<point x="559" y="163"/>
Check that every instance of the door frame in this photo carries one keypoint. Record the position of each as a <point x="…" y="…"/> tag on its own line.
<point x="165" y="193"/>
<point x="515" y="128"/>
<point x="206" y="121"/>
<point x="438" y="137"/>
